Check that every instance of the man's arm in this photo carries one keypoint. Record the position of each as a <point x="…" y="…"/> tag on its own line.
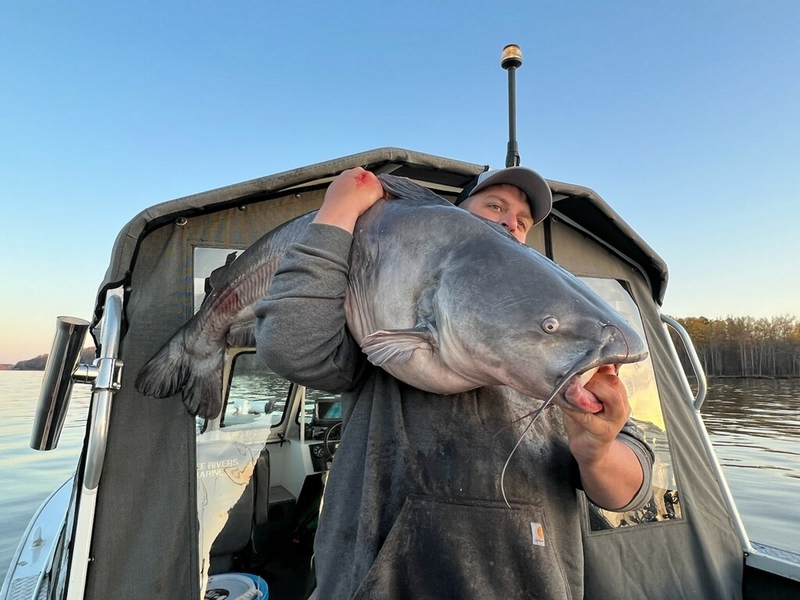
<point x="301" y="330"/>
<point x="612" y="473"/>
<point x="348" y="197"/>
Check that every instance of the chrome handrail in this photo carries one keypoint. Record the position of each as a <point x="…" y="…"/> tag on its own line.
<point x="109" y="370"/>
<point x="694" y="360"/>
<point x="695" y="402"/>
<point x="106" y="373"/>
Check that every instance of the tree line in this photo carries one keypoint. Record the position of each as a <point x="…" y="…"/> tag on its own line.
<point x="746" y="347"/>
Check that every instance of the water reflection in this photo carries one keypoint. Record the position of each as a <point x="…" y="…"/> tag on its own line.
<point x="754" y="408"/>
<point x="755" y="427"/>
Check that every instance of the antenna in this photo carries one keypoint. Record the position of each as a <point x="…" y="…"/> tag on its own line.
<point x="510" y="60"/>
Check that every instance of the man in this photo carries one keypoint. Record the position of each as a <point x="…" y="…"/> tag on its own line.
<point x="412" y="507"/>
<point x="516" y="198"/>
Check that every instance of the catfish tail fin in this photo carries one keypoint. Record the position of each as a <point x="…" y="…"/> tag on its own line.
<point x="202" y="393"/>
<point x="167" y="371"/>
<point x="173" y="368"/>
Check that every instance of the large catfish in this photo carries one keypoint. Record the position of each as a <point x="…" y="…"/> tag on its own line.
<point x="441" y="299"/>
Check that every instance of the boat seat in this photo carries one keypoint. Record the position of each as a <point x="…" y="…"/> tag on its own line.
<point x="250" y="509"/>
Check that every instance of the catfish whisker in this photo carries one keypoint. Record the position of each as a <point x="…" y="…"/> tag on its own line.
<point x="536" y="414"/>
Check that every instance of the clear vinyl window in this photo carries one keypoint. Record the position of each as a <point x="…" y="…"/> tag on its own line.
<point x="209" y="263"/>
<point x="639" y="380"/>
<point x="255" y="395"/>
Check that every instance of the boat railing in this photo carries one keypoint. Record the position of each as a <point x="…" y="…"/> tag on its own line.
<point x="767" y="558"/>
<point x="696" y="401"/>
<point x="106" y="375"/>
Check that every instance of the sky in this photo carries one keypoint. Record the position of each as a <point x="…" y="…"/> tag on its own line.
<point x="683" y="116"/>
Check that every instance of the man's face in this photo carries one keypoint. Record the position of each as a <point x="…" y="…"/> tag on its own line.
<point x="504" y="204"/>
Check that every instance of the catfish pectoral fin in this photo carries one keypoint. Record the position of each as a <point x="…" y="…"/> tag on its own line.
<point x="396" y="346"/>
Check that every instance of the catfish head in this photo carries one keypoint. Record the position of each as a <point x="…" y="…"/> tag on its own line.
<point x="532" y="326"/>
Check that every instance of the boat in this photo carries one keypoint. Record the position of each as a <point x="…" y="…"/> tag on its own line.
<point x="163" y="504"/>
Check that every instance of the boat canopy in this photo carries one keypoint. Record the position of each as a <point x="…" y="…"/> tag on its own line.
<point x="578" y="206"/>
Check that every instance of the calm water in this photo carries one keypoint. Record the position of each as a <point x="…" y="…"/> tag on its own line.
<point x="755" y="427"/>
<point x="29" y="476"/>
<point x="754" y="424"/>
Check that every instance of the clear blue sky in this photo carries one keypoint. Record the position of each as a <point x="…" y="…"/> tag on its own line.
<point x="682" y="115"/>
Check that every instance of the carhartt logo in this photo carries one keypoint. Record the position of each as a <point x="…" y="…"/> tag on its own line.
<point x="537" y="534"/>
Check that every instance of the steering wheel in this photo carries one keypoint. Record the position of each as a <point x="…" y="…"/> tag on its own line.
<point x="332" y="434"/>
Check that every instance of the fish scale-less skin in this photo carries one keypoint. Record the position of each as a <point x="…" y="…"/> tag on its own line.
<point x="441" y="299"/>
<point x="494" y="291"/>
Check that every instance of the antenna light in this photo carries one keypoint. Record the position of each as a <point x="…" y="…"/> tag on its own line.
<point x="511" y="60"/>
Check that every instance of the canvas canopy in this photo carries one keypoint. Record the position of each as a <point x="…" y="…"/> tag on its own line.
<point x="581" y="206"/>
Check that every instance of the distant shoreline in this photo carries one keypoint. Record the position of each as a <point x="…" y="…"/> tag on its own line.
<point x="39" y="363"/>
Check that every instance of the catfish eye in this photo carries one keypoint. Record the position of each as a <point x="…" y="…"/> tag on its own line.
<point x="550" y="325"/>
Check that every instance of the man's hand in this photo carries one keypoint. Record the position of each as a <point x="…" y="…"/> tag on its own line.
<point x="349" y="196"/>
<point x="610" y="472"/>
<point x="590" y="434"/>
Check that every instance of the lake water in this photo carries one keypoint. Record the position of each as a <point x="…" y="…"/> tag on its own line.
<point x="29" y="476"/>
<point x="755" y="425"/>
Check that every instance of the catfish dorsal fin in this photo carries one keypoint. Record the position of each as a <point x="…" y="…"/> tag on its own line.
<point x="402" y="187"/>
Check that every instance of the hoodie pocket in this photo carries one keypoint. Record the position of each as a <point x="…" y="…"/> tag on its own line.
<point x="461" y="550"/>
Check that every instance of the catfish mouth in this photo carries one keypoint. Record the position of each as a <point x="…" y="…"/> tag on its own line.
<point x="576" y="396"/>
<point x="571" y="391"/>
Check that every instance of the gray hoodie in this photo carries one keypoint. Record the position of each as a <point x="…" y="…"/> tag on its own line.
<point x="413" y="507"/>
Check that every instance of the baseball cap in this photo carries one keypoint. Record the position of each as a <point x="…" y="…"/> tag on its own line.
<point x="530" y="182"/>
